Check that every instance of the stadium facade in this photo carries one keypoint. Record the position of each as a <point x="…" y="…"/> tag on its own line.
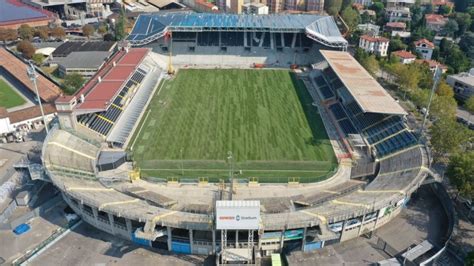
<point x="381" y="162"/>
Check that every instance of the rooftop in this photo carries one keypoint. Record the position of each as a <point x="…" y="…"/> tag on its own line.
<point x="107" y="82"/>
<point x="152" y="24"/>
<point x="404" y="54"/>
<point x="396" y="25"/>
<point x="465" y="77"/>
<point x="424" y="41"/>
<point x="435" y="19"/>
<point x="92" y="59"/>
<point x="367" y="92"/>
<point x="48" y="90"/>
<point x="68" y="47"/>
<point x="374" y="39"/>
<point x="14" y="12"/>
<point x="431" y="63"/>
<point x="27" y="113"/>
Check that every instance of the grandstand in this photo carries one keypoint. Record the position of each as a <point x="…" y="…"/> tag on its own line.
<point x="227" y="39"/>
<point x="380" y="161"/>
<point x="100" y="103"/>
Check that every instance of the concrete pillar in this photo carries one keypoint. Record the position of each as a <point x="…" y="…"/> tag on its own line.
<point x="95" y="212"/>
<point x="128" y="223"/>
<point x="282" y="39"/>
<point x="305" y="230"/>
<point x="111" y="221"/>
<point x="281" y="239"/>
<point x="220" y="38"/>
<point x="262" y="38"/>
<point x="293" y="42"/>
<point x="236" y="238"/>
<point x="245" y="39"/>
<point x="361" y="225"/>
<point x="214" y="242"/>
<point x="169" y="238"/>
<point x="191" y="239"/>
<point x="272" y="37"/>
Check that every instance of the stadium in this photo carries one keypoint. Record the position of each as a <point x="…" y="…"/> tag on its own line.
<point x="203" y="138"/>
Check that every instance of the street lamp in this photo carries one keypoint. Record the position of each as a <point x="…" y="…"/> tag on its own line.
<point x="31" y="71"/>
<point x="437" y="76"/>
<point x="230" y="158"/>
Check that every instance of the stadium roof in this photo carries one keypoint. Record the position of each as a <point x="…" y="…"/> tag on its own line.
<point x="367" y="92"/>
<point x="156" y="24"/>
<point x="68" y="47"/>
<point x="16" y="12"/>
<point x="106" y="84"/>
<point x="48" y="90"/>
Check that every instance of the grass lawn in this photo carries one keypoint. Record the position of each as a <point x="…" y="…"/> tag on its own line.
<point x="8" y="96"/>
<point x="264" y="117"/>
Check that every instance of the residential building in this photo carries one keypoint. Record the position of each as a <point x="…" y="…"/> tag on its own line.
<point x="255" y="8"/>
<point x="437" y="39"/>
<point x="395" y="26"/>
<point x="435" y="22"/>
<point x="363" y="2"/>
<point x="236" y="6"/>
<point x="14" y="13"/>
<point x="314" y="5"/>
<point x="432" y="64"/>
<point x="205" y="7"/>
<point x="374" y="45"/>
<point x="405" y="57"/>
<point x="369" y="12"/>
<point x="463" y="84"/>
<point x="84" y="63"/>
<point x="437" y="4"/>
<point x="425" y="48"/>
<point x="369" y="29"/>
<point x="399" y="3"/>
<point x="395" y="14"/>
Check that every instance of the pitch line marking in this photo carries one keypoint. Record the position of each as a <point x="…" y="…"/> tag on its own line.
<point x="72" y="150"/>
<point x="87" y="189"/>
<point x="215" y="170"/>
<point x="102" y="206"/>
<point x="320" y="217"/>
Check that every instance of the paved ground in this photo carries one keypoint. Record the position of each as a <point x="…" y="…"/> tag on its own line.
<point x="41" y="229"/>
<point x="423" y="219"/>
<point x="87" y="245"/>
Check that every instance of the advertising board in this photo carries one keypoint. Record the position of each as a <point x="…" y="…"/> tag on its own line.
<point x="237" y="215"/>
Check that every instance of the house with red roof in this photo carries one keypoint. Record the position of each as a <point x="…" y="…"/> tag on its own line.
<point x="425" y="48"/>
<point x="374" y="45"/>
<point x="432" y="64"/>
<point x="435" y="22"/>
<point x="405" y="57"/>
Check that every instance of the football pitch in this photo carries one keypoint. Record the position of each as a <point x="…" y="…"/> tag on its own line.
<point x="8" y="96"/>
<point x="259" y="123"/>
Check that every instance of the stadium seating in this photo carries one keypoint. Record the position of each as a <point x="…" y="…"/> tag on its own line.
<point x="396" y="143"/>
<point x="103" y="122"/>
<point x="338" y="112"/>
<point x="323" y="88"/>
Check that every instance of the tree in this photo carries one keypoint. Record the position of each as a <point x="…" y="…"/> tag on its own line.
<point x="26" y="48"/>
<point x="444" y="10"/>
<point x="58" y="32"/>
<point x="109" y="37"/>
<point x="351" y="17"/>
<point x="88" y="30"/>
<point x="443" y="107"/>
<point x="422" y="32"/>
<point x="333" y="7"/>
<point x="416" y="17"/>
<point x="365" y="17"/>
<point x="407" y="77"/>
<point x="460" y="172"/>
<point x="7" y="35"/>
<point x="396" y="44"/>
<point x="467" y="44"/>
<point x="42" y="32"/>
<point x="451" y="27"/>
<point x="444" y="89"/>
<point x="346" y="3"/>
<point x="457" y="60"/>
<point x="38" y="59"/>
<point x="464" y="22"/>
<point x="102" y="30"/>
<point x="72" y="82"/>
<point x="447" y="135"/>
<point x="461" y="5"/>
<point x="469" y="104"/>
<point x="120" y="26"/>
<point x="25" y="32"/>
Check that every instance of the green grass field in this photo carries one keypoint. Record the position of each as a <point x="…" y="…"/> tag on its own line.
<point x="8" y="96"/>
<point x="264" y="117"/>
